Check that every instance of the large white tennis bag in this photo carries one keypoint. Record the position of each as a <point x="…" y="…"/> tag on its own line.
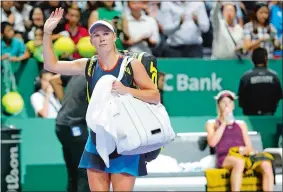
<point x="141" y="127"/>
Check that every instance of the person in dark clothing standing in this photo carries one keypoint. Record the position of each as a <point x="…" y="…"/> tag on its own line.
<point x="260" y="89"/>
<point x="71" y="127"/>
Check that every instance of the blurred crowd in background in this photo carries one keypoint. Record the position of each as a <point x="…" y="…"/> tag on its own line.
<point x="200" y="29"/>
<point x="165" y="29"/>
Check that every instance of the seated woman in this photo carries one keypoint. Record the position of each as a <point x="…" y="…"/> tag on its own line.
<point x="224" y="133"/>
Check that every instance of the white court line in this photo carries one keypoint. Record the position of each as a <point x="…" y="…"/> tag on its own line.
<point x="205" y="133"/>
<point x="170" y="181"/>
<point x="180" y="181"/>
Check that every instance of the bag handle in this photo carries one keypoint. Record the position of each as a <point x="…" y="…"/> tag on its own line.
<point x="226" y="26"/>
<point x="51" y="102"/>
<point x="124" y="64"/>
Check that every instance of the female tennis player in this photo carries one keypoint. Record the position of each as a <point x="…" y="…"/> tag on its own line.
<point x="224" y="133"/>
<point x="123" y="169"/>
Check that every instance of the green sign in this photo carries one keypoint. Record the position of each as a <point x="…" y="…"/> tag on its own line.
<point x="191" y="84"/>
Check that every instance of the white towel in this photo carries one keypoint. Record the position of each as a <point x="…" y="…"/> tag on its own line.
<point x="100" y="111"/>
<point x="163" y="164"/>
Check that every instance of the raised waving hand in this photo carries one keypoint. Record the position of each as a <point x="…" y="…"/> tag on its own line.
<point x="53" y="20"/>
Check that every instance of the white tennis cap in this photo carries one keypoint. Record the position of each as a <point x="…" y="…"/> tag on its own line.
<point x="99" y="23"/>
<point x="225" y="93"/>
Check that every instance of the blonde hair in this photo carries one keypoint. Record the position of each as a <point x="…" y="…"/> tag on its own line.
<point x="115" y="47"/>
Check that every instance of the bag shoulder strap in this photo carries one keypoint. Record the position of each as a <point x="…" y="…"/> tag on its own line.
<point x="238" y="55"/>
<point x="124" y="64"/>
<point x="226" y="26"/>
<point x="50" y="101"/>
<point x="89" y="70"/>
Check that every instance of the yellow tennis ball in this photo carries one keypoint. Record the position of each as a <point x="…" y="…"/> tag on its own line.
<point x="85" y="48"/>
<point x="13" y="103"/>
<point x="30" y="46"/>
<point x="64" y="45"/>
